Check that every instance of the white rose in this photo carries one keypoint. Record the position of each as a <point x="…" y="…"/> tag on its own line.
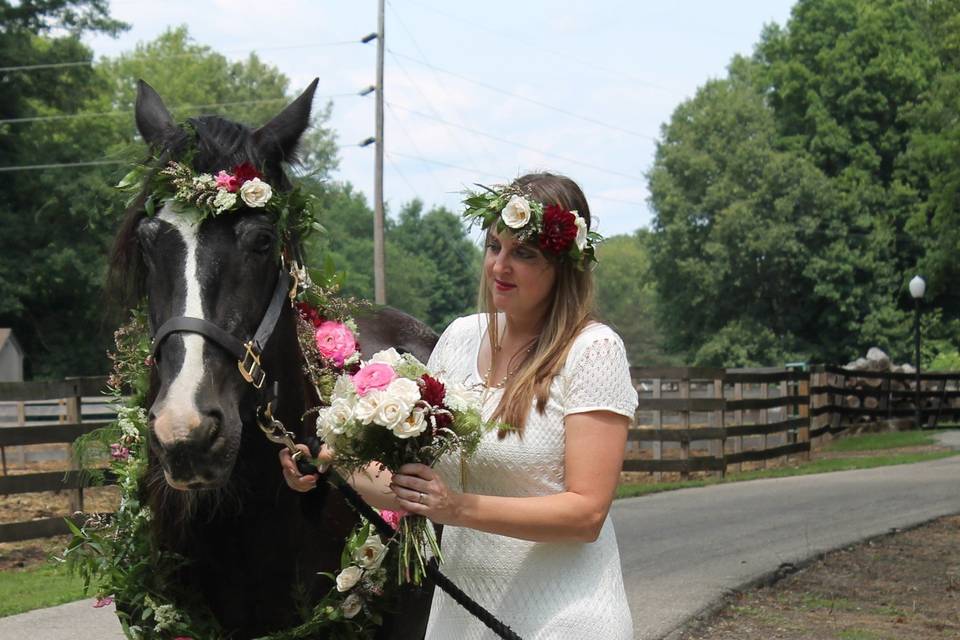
<point x="367" y="406"/>
<point x="405" y="390"/>
<point x="324" y="424"/>
<point x="581" y="238"/>
<point x="343" y="388"/>
<point x="370" y="554"/>
<point x="256" y="193"/>
<point x="224" y="200"/>
<point x="387" y="356"/>
<point x="349" y="577"/>
<point x="517" y="212"/>
<point x="339" y="414"/>
<point x="351" y="605"/>
<point x="412" y="426"/>
<point x="391" y="411"/>
<point x="460" y="398"/>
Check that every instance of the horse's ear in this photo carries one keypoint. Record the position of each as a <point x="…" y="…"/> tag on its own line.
<point x="278" y="138"/>
<point x="153" y="119"/>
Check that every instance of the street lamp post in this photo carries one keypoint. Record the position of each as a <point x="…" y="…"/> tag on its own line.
<point x="917" y="288"/>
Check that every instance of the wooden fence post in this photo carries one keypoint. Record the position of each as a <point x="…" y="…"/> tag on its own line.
<point x="721" y="422"/>
<point x="74" y="415"/>
<point x="658" y="426"/>
<point x="685" y="425"/>
<point x="738" y="421"/>
<point x="803" y="411"/>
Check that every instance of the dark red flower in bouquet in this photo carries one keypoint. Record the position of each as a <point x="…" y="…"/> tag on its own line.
<point x="244" y="173"/>
<point x="309" y="314"/>
<point x="432" y="390"/>
<point x="559" y="229"/>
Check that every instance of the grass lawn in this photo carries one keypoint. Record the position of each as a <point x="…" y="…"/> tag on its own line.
<point x="37" y="587"/>
<point x="866" y="442"/>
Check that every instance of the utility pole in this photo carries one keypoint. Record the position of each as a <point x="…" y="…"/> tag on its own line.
<point x="379" y="272"/>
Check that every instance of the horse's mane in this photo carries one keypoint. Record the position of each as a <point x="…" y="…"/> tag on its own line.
<point x="208" y="144"/>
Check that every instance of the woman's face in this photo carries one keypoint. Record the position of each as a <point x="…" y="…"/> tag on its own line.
<point x="519" y="276"/>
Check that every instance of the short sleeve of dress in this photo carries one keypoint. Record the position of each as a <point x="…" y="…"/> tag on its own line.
<point x="598" y="376"/>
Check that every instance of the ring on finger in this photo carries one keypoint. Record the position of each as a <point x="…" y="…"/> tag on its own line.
<point x="420" y="495"/>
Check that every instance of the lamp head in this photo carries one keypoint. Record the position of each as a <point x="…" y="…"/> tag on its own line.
<point x="917" y="287"/>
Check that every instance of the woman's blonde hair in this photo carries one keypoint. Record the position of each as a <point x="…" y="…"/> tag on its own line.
<point x="570" y="310"/>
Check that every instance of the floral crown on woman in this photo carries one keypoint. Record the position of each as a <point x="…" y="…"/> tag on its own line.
<point x="556" y="230"/>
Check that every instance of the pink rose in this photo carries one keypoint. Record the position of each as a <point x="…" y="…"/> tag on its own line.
<point x="392" y="518"/>
<point x="376" y="375"/>
<point x="227" y="181"/>
<point x="335" y="341"/>
<point x="103" y="602"/>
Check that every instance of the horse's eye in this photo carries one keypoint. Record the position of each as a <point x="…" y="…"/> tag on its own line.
<point x="258" y="241"/>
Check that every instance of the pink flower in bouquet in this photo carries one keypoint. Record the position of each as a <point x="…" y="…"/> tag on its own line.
<point x="119" y="452"/>
<point x="227" y="181"/>
<point x="392" y="518"/>
<point x="335" y="341"/>
<point x="103" y="602"/>
<point x="375" y="375"/>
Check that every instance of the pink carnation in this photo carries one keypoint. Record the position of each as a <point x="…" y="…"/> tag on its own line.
<point x="376" y="375"/>
<point x="103" y="602"/>
<point x="227" y="181"/>
<point x="119" y="452"/>
<point x="335" y="341"/>
<point x="392" y="518"/>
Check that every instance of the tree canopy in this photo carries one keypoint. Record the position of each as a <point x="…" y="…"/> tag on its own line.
<point x="795" y="197"/>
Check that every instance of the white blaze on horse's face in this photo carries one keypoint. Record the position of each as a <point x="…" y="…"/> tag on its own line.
<point x="179" y="414"/>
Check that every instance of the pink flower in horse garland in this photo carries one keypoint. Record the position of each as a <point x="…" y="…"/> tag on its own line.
<point x="105" y="601"/>
<point x="392" y="518"/>
<point x="119" y="452"/>
<point x="335" y="341"/>
<point x="227" y="182"/>
<point x="375" y="375"/>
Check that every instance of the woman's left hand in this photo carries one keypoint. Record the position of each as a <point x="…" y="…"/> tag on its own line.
<point x="421" y="491"/>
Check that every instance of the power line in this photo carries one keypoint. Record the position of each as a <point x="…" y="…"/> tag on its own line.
<point x="444" y="164"/>
<point x="82" y="63"/>
<point x="191" y="107"/>
<point x="436" y="76"/>
<point x="59" y="165"/>
<point x="413" y="142"/>
<point x="539" y="103"/>
<point x="522" y="39"/>
<point x="519" y="145"/>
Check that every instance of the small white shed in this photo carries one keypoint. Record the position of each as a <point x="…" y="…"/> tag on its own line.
<point x="11" y="357"/>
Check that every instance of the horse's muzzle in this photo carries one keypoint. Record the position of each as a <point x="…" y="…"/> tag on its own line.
<point x="195" y="454"/>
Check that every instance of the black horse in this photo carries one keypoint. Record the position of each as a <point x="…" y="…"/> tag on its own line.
<point x="215" y="485"/>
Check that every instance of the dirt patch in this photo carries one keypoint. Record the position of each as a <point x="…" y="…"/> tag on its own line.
<point x="904" y="586"/>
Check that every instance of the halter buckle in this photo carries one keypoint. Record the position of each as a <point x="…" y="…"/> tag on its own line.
<point x="250" y="367"/>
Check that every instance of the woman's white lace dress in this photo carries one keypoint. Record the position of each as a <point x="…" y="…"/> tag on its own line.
<point x="543" y="591"/>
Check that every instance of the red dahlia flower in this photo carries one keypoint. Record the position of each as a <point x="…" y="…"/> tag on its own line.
<point x="245" y="172"/>
<point x="309" y="314"/>
<point x="559" y="229"/>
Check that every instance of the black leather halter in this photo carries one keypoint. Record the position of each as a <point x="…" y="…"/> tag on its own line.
<point x="247" y="353"/>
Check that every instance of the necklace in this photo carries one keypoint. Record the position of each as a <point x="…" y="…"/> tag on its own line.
<point x="510" y="372"/>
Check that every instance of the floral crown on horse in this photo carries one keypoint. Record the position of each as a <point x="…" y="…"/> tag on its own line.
<point x="553" y="228"/>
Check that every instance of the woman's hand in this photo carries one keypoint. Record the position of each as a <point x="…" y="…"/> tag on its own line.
<point x="294" y="479"/>
<point x="421" y="491"/>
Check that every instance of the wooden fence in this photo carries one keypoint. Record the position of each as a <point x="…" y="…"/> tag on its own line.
<point x="40" y="413"/>
<point x="689" y="420"/>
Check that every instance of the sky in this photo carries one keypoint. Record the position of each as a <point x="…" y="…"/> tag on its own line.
<point x="483" y="93"/>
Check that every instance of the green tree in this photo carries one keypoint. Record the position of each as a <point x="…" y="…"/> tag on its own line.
<point x="626" y="297"/>
<point x="58" y="223"/>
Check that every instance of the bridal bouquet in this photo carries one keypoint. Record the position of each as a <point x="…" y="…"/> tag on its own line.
<point x="391" y="410"/>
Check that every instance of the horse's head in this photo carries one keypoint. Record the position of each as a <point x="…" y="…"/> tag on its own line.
<point x="222" y="270"/>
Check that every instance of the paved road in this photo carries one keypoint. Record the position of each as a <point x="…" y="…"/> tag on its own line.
<point x="683" y="550"/>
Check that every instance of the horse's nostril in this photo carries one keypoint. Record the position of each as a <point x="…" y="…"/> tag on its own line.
<point x="209" y="429"/>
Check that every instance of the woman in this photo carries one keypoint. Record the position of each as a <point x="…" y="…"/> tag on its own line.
<point x="527" y="531"/>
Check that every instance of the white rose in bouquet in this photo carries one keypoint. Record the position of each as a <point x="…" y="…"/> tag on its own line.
<point x="387" y="356"/>
<point x="412" y="426"/>
<point x="461" y="398"/>
<point x="367" y="406"/>
<point x="343" y="388"/>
